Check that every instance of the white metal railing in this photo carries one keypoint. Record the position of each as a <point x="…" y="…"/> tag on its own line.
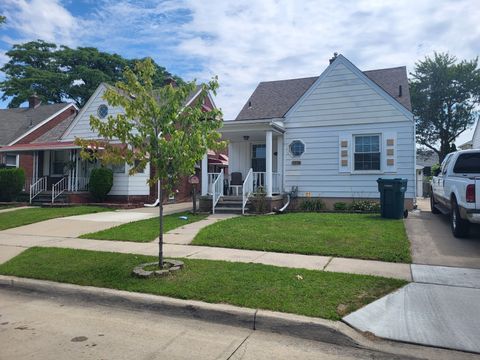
<point x="211" y="179"/>
<point x="247" y="189"/>
<point x="276" y="182"/>
<point x="82" y="184"/>
<point x="37" y="187"/>
<point x="59" y="187"/>
<point x="217" y="190"/>
<point x="259" y="179"/>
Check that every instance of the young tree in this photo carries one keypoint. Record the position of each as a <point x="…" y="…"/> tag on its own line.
<point x="59" y="73"/>
<point x="157" y="128"/>
<point x="445" y="95"/>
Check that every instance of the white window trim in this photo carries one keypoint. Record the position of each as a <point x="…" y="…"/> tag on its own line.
<point x="17" y="160"/>
<point x="352" y="156"/>
<point x="304" y="148"/>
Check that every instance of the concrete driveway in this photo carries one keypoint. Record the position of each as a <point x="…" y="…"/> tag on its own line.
<point x="433" y="243"/>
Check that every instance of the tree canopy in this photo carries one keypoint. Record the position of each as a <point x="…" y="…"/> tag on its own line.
<point x="156" y="128"/>
<point x="445" y="95"/>
<point x="59" y="73"/>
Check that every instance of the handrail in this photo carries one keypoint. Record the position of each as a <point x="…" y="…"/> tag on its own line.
<point x="59" y="187"/>
<point x="211" y="178"/>
<point x="37" y="187"/>
<point x="217" y="189"/>
<point x="247" y="189"/>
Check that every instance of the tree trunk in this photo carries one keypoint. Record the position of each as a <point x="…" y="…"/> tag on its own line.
<point x="160" y="236"/>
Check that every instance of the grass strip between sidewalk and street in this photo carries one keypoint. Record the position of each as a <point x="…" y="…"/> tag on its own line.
<point x="306" y="292"/>
<point x="362" y="236"/>
<point x="144" y="230"/>
<point x="22" y="217"/>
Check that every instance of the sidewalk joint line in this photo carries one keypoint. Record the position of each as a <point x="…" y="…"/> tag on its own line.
<point x="328" y="263"/>
<point x="239" y="346"/>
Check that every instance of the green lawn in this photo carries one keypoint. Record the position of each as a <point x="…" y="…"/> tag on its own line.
<point x="364" y="236"/>
<point x="143" y="230"/>
<point x="2" y="207"/>
<point x="321" y="294"/>
<point x="21" y="217"/>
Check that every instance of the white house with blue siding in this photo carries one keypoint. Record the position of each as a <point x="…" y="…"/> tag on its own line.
<point x="328" y="137"/>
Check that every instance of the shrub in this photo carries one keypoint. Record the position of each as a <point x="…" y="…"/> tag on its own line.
<point x="312" y="205"/>
<point x="259" y="201"/>
<point x="101" y="182"/>
<point x="365" y="206"/>
<point x="340" y="206"/>
<point x="11" y="183"/>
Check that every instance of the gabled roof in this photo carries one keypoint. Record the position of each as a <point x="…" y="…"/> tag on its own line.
<point x="55" y="133"/>
<point x="389" y="80"/>
<point x="273" y="99"/>
<point x="16" y="122"/>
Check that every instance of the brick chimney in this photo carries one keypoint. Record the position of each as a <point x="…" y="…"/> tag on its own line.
<point x="34" y="101"/>
<point x="170" y="81"/>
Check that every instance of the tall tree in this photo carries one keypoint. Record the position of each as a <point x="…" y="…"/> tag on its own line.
<point x="156" y="128"/>
<point x="59" y="73"/>
<point x="445" y="94"/>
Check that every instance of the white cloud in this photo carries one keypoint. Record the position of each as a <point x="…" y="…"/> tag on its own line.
<point x="41" y="19"/>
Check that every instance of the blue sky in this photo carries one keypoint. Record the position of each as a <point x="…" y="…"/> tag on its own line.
<point x="244" y="42"/>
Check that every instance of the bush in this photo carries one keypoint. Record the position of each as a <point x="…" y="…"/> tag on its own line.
<point x="101" y="182"/>
<point x="259" y="201"/>
<point x="11" y="183"/>
<point x="365" y="206"/>
<point x="340" y="206"/>
<point x="312" y="205"/>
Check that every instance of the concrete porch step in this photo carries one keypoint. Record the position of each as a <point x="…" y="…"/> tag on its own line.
<point x="230" y="209"/>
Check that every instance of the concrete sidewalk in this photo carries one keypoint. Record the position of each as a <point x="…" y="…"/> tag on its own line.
<point x="74" y="226"/>
<point x="14" y="208"/>
<point x="312" y="262"/>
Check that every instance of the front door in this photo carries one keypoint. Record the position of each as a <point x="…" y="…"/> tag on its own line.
<point x="259" y="152"/>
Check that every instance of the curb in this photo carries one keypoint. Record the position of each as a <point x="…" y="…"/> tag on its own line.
<point x="333" y="332"/>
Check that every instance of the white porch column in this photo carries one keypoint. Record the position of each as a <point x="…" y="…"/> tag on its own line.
<point x="35" y="166"/>
<point x="205" y="175"/>
<point x="280" y="162"/>
<point x="268" y="162"/>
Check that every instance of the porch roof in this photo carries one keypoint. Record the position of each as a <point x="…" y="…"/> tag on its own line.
<point x="56" y="145"/>
<point x="236" y="130"/>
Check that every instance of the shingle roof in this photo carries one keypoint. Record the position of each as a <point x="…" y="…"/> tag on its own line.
<point x="273" y="99"/>
<point x="55" y="133"/>
<point x="390" y="80"/>
<point x="15" y="122"/>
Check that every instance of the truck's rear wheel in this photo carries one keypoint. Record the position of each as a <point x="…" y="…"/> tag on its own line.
<point x="433" y="207"/>
<point x="460" y="227"/>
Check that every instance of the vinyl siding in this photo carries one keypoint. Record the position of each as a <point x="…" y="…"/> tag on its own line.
<point x="343" y="103"/>
<point x="123" y="184"/>
<point x="81" y="125"/>
<point x="319" y="170"/>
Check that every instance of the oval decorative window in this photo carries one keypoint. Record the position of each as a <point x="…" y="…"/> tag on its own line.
<point x="297" y="148"/>
<point x="102" y="111"/>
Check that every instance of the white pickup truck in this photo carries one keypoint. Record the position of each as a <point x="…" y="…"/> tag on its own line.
<point x="456" y="190"/>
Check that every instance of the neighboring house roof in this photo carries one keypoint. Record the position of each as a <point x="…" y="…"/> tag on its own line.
<point x="56" y="132"/>
<point x="428" y="159"/>
<point x="273" y="99"/>
<point x="466" y="145"/>
<point x="16" y="122"/>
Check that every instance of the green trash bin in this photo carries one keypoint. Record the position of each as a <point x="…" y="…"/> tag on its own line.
<point x="392" y="196"/>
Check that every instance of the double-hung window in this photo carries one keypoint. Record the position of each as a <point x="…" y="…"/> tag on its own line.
<point x="367" y="153"/>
